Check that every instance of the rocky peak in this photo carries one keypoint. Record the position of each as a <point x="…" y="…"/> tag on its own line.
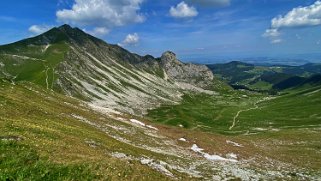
<point x="65" y="27"/>
<point x="169" y="57"/>
<point x="188" y="73"/>
<point x="64" y="33"/>
<point x="76" y="34"/>
<point x="72" y="32"/>
<point x="169" y="54"/>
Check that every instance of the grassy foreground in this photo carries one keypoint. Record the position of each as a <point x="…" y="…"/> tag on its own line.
<point x="20" y="162"/>
<point x="40" y="140"/>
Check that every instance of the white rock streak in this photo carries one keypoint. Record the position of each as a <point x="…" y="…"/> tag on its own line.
<point x="46" y="47"/>
<point x="207" y="156"/>
<point x="142" y="124"/>
<point x="233" y="143"/>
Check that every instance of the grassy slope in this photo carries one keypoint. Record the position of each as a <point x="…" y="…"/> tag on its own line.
<point x="20" y="162"/>
<point x="289" y="125"/>
<point x="55" y="145"/>
<point x="298" y="108"/>
<point x="211" y="113"/>
<point x="37" y="65"/>
<point x="286" y="128"/>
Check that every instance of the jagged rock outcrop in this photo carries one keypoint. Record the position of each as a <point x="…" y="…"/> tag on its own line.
<point x="198" y="75"/>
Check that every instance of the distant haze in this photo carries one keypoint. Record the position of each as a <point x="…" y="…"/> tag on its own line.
<point x="298" y="59"/>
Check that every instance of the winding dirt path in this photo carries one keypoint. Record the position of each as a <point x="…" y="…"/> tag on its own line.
<point x="235" y="121"/>
<point x="47" y="78"/>
<point x="53" y="78"/>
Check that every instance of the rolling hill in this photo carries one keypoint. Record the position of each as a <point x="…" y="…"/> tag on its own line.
<point x="264" y="78"/>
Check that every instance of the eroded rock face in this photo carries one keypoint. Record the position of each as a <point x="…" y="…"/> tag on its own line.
<point x="198" y="75"/>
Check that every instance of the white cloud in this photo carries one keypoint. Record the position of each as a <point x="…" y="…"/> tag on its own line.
<point x="182" y="10"/>
<point x="102" y="13"/>
<point x="38" y="29"/>
<point x="215" y="3"/>
<point x="271" y="33"/>
<point x="276" y="41"/>
<point x="301" y="16"/>
<point x="297" y="17"/>
<point x="131" y="39"/>
<point x="98" y="31"/>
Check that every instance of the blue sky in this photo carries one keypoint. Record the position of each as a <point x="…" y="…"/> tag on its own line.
<point x="196" y="30"/>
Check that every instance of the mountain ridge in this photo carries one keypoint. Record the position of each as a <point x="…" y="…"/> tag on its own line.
<point x="77" y="64"/>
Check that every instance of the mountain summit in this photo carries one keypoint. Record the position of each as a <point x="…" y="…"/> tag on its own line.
<point x="74" y="63"/>
<point x="188" y="73"/>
